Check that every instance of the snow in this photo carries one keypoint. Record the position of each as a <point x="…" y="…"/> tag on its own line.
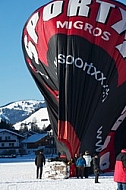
<point x="8" y="131"/>
<point x="23" y="104"/>
<point x="34" y="138"/>
<point x="20" y="110"/>
<point x="4" y="118"/>
<point x="21" y="175"/>
<point x="41" y="117"/>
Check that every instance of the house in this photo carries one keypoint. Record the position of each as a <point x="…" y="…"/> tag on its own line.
<point x="13" y="143"/>
<point x="10" y="142"/>
<point x="39" y="141"/>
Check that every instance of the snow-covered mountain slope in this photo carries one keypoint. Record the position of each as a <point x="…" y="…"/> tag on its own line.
<point x="40" y="117"/>
<point x="4" y="118"/>
<point x="20" y="110"/>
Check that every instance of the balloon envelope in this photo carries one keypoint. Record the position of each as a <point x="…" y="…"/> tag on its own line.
<point x="75" y="51"/>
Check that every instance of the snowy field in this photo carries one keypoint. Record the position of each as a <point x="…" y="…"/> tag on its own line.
<point x="22" y="176"/>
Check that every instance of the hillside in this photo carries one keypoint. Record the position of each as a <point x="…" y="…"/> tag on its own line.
<point x="40" y="117"/>
<point x="19" y="111"/>
<point x="25" y="113"/>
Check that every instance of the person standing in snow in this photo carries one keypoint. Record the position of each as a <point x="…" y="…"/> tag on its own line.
<point x="75" y="157"/>
<point x="80" y="165"/>
<point x="88" y="159"/>
<point x="72" y="165"/>
<point x="39" y="162"/>
<point x="120" y="170"/>
<point x="96" y="168"/>
<point x="74" y="160"/>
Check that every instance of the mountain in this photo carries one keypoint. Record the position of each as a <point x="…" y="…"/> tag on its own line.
<point x="18" y="111"/>
<point x="4" y="118"/>
<point x="40" y="118"/>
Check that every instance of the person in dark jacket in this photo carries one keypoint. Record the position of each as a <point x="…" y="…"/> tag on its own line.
<point x="75" y="157"/>
<point x="39" y="162"/>
<point x="120" y="170"/>
<point x="96" y="168"/>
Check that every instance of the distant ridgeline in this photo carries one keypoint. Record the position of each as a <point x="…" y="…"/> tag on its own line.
<point x="20" y="110"/>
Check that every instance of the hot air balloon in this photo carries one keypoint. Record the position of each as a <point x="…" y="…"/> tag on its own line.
<point x="75" y="51"/>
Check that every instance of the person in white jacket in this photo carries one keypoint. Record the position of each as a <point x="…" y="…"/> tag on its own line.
<point x="88" y="160"/>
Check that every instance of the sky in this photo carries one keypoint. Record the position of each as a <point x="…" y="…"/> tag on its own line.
<point x="22" y="176"/>
<point x="16" y="82"/>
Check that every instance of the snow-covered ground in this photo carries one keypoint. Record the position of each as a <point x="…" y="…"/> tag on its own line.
<point x="21" y="175"/>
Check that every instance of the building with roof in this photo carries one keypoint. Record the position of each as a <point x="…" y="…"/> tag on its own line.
<point x="13" y="143"/>
<point x="39" y="141"/>
<point x="10" y="142"/>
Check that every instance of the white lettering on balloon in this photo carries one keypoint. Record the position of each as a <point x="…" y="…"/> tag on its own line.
<point x="89" y="68"/>
<point x="105" y="158"/>
<point x="79" y="25"/>
<point x="82" y="8"/>
<point x="99" y="138"/>
<point x="78" y="8"/>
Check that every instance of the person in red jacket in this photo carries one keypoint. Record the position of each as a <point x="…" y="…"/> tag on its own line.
<point x="120" y="170"/>
<point x="72" y="165"/>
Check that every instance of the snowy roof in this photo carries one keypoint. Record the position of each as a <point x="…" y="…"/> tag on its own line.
<point x="8" y="131"/>
<point x="34" y="138"/>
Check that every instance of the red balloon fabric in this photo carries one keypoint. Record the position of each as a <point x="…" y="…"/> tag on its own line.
<point x="76" y="52"/>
